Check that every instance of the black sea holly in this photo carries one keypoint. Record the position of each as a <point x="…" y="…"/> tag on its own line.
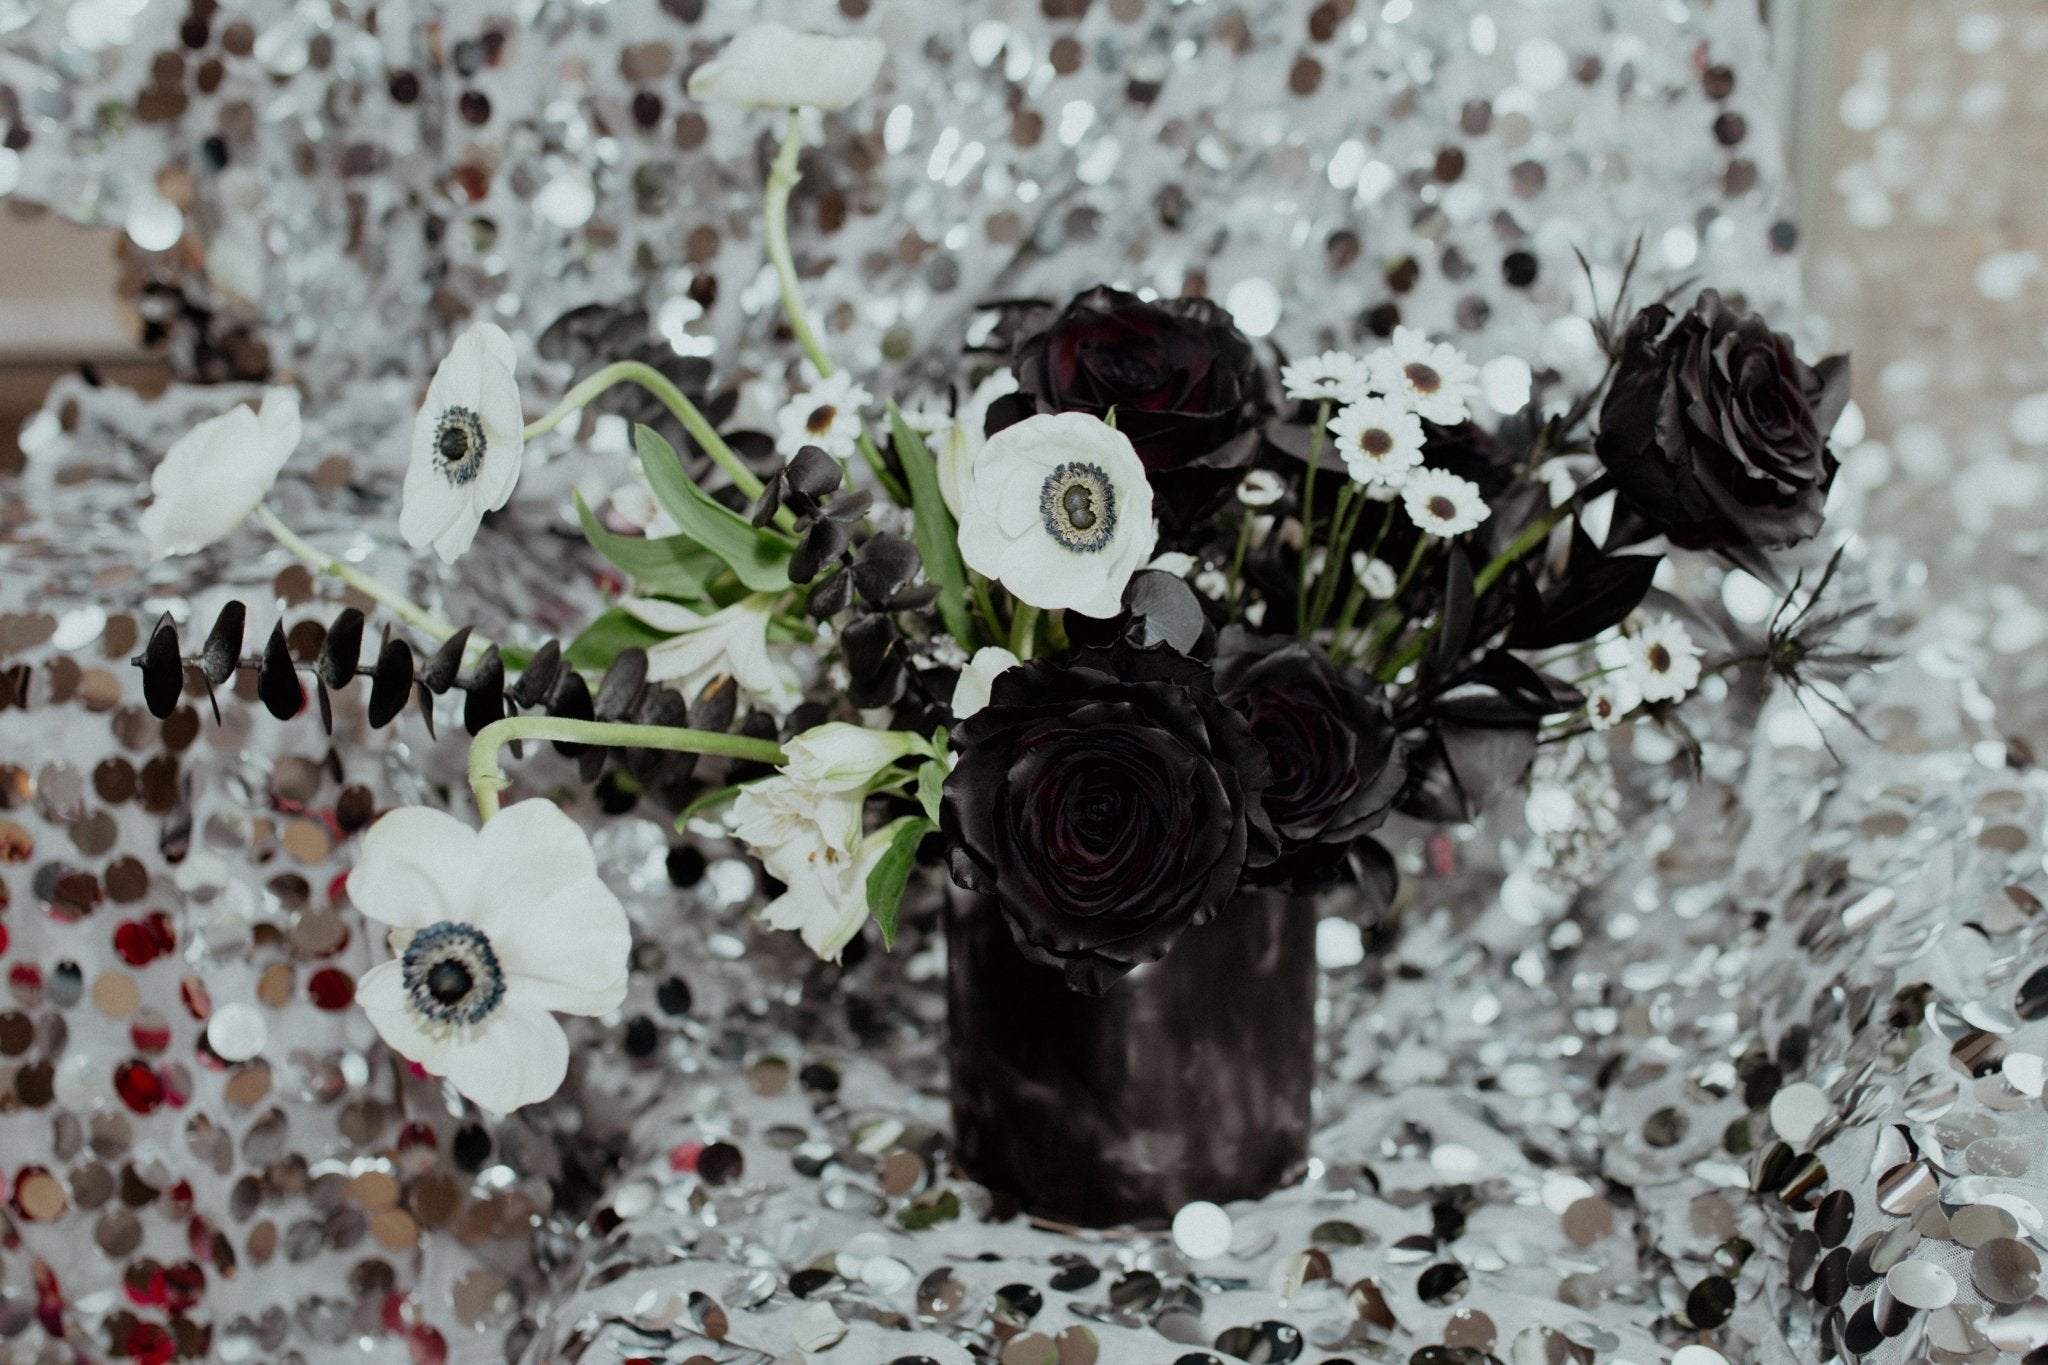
<point x="1328" y="731"/>
<point x="1716" y="432"/>
<point x="1107" y="804"/>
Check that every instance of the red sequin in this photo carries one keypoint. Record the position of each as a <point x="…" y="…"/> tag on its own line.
<point x="151" y="1344"/>
<point x="331" y="989"/>
<point x="683" y="1157"/>
<point x="429" y="1347"/>
<point x="139" y="1087"/>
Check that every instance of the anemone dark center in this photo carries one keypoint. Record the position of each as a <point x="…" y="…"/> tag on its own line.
<point x="451" y="974"/>
<point x="1422" y="378"/>
<point x="459" y="444"/>
<point x="1078" y="506"/>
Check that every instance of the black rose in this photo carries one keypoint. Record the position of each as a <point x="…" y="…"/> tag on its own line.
<point x="1107" y="805"/>
<point x="1185" y="383"/>
<point x="1330" y="741"/>
<point x="1715" y="432"/>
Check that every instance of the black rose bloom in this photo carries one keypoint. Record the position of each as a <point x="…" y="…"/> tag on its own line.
<point x="1185" y="383"/>
<point x="1330" y="740"/>
<point x="1107" y="803"/>
<point x="1715" y="432"/>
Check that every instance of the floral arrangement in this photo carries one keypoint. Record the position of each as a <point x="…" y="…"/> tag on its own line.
<point x="1131" y="617"/>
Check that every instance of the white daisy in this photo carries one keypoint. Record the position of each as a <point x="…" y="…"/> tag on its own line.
<point x="773" y="66"/>
<point x="731" y="642"/>
<point x="1060" y="512"/>
<point x="971" y="693"/>
<point x="1260" y="488"/>
<point x="1335" y="376"/>
<point x="1434" y="379"/>
<point x="1442" y="504"/>
<point x="827" y="415"/>
<point x="1609" y="700"/>
<point x="1380" y="441"/>
<point x="493" y="929"/>
<point x="467" y="444"/>
<point x="214" y="475"/>
<point x="1376" y="576"/>
<point x="1664" y="663"/>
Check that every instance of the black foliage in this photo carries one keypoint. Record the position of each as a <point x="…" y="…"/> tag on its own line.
<point x="277" y="682"/>
<point x="341" y="652"/>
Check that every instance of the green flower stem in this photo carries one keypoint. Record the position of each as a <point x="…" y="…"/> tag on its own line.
<point x="674" y="399"/>
<point x="1024" y="631"/>
<point x="1343" y="525"/>
<point x="1244" y="540"/>
<point x="401" y="606"/>
<point x="782" y="178"/>
<point x="487" y="778"/>
<point x="1308" y="515"/>
<point x="985" y="607"/>
<point x="1386" y="622"/>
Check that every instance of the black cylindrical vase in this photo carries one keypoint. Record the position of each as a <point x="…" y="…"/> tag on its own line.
<point x="1190" y="1079"/>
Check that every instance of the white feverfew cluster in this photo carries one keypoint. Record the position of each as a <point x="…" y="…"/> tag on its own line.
<point x="1573" y="810"/>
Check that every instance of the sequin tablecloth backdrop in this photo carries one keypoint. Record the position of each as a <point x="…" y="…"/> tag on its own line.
<point x="1769" y="1083"/>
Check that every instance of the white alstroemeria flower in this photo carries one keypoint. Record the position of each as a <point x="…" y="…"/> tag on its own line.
<point x="731" y="642"/>
<point x="1260" y="488"/>
<point x="827" y="416"/>
<point x="790" y="827"/>
<point x="1376" y="576"/>
<point x="1335" y="376"/>
<point x="495" y="930"/>
<point x="467" y="444"/>
<point x="1434" y="379"/>
<point x="214" y="475"/>
<point x="1664" y="663"/>
<point x="836" y="757"/>
<point x="1380" y="441"/>
<point x="1059" y="512"/>
<point x="1442" y="504"/>
<point x="961" y="444"/>
<point x="773" y="66"/>
<point x="971" y="693"/>
<point x="1609" y="700"/>
<point x="827" y="899"/>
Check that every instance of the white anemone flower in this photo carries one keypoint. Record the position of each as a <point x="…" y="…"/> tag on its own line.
<point x="1333" y="376"/>
<point x="1442" y="504"/>
<point x="971" y="694"/>
<point x="731" y="642"/>
<point x="1379" y="440"/>
<point x="467" y="444"/>
<point x="773" y="66"/>
<point x="1433" y="378"/>
<point x="214" y="476"/>
<point x="1059" y="512"/>
<point x="827" y="415"/>
<point x="1664" y="663"/>
<point x="495" y="931"/>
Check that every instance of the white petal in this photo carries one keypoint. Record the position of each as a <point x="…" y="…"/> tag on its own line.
<point x="504" y="424"/>
<point x="416" y="868"/>
<point x="516" y="1057"/>
<point x="494" y="343"/>
<point x="428" y="504"/>
<point x="669" y="616"/>
<point x="524" y="854"/>
<point x="772" y="66"/>
<point x="571" y="951"/>
<point x="381" y="993"/>
<point x="451" y="544"/>
<point x="280" y="424"/>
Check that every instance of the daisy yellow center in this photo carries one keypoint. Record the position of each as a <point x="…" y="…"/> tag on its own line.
<point x="1423" y="378"/>
<point x="451" y="974"/>
<point x="821" y="419"/>
<point x="1442" y="508"/>
<point x="459" y="444"/>
<point x="1660" y="659"/>
<point x="1078" y="506"/>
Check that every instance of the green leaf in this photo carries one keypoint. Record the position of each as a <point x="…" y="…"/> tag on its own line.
<point x="717" y="796"/>
<point x="929" y="1210"/>
<point x="601" y="640"/>
<point x="931" y="785"/>
<point x="938" y="538"/>
<point x="672" y="566"/>
<point x="892" y="873"/>
<point x="760" y="558"/>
